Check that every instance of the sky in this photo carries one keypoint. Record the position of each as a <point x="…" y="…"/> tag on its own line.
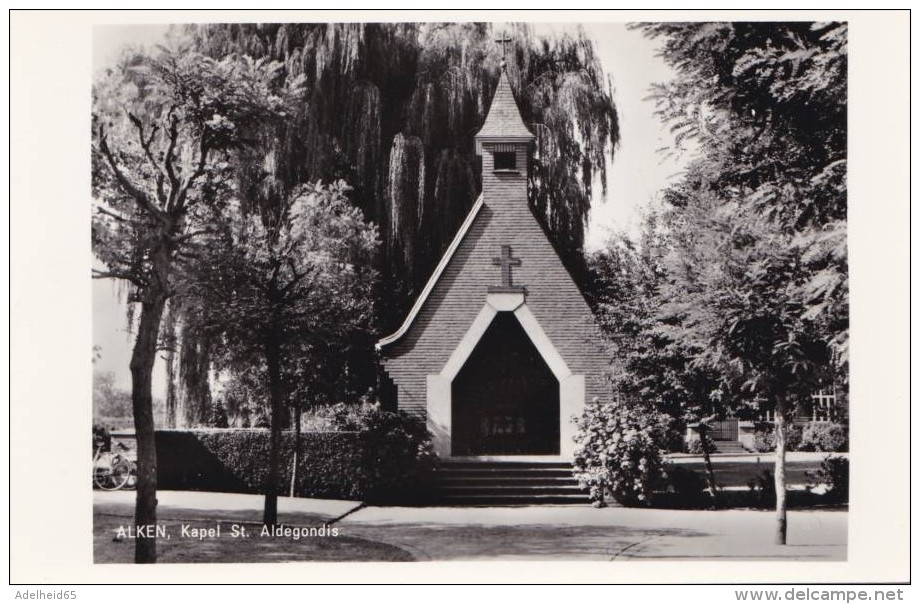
<point x="635" y="177"/>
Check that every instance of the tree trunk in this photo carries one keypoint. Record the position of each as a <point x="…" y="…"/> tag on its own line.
<point x="779" y="432"/>
<point x="273" y="362"/>
<point x="142" y="360"/>
<point x="169" y="337"/>
<point x="705" y="443"/>
<point x="171" y="399"/>
<point x="297" y="411"/>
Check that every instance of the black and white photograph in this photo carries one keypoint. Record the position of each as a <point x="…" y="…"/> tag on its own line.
<point x="545" y="288"/>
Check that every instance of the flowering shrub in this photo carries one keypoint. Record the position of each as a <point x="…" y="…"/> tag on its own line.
<point x="335" y="417"/>
<point x="618" y="452"/>
<point x="829" y="437"/>
<point x="695" y="447"/>
<point x="764" y="441"/>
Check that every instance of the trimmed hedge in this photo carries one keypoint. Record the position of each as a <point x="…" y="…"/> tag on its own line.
<point x="332" y="465"/>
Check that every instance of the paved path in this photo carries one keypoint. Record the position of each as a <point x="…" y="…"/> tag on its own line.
<point x="531" y="532"/>
<point x="579" y="532"/>
<point x="766" y="458"/>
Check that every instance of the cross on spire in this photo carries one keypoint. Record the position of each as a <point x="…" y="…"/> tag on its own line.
<point x="506" y="261"/>
<point x="503" y="40"/>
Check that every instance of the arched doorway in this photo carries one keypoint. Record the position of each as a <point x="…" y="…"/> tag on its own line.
<point x="505" y="399"/>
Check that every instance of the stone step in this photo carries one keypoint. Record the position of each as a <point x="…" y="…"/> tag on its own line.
<point x="522" y="465"/>
<point x="729" y="446"/>
<point x="503" y="500"/>
<point x="507" y="483"/>
<point x="497" y="474"/>
<point x="502" y="490"/>
<point x="500" y="479"/>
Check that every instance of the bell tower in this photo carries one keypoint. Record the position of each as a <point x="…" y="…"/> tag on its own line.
<point x="504" y="143"/>
<point x="500" y="351"/>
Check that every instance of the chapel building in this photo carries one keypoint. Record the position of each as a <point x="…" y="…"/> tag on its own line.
<point x="500" y="351"/>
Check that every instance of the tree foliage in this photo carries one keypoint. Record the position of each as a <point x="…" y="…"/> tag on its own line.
<point x="163" y="127"/>
<point x="302" y="277"/>
<point x="108" y="399"/>
<point x="286" y="293"/>
<point x="393" y="108"/>
<point x="762" y="211"/>
<point x="749" y="270"/>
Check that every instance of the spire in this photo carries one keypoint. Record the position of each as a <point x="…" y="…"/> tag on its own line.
<point x="503" y="40"/>
<point x="503" y="123"/>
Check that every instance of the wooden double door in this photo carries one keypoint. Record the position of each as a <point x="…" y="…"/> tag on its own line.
<point x="505" y="399"/>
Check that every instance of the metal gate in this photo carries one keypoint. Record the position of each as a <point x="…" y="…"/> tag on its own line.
<point x="726" y="429"/>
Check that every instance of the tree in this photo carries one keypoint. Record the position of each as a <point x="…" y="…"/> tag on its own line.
<point x="163" y="126"/>
<point x="653" y="368"/>
<point x="108" y="399"/>
<point x="393" y="109"/>
<point x="758" y="288"/>
<point x="280" y="289"/>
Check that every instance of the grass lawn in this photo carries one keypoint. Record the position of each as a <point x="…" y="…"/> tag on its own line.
<point x="248" y="546"/>
<point x="739" y="473"/>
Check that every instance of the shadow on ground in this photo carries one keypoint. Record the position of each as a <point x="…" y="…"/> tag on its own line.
<point x="533" y="533"/>
<point x="439" y="542"/>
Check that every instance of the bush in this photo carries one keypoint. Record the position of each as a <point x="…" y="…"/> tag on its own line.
<point x="695" y="447"/>
<point x="617" y="452"/>
<point x="764" y="441"/>
<point x="828" y="437"/>
<point x="217" y="417"/>
<point x="762" y="490"/>
<point x="397" y="451"/>
<point x="674" y="431"/>
<point x="834" y="476"/>
<point x="336" y="417"/>
<point x="686" y="485"/>
<point x="387" y="460"/>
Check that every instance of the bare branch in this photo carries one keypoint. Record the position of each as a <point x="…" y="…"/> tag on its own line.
<point x="199" y="170"/>
<point x="132" y="189"/>
<point x="114" y="215"/>
<point x="171" y="152"/>
<point x="148" y="153"/>
<point x="184" y="257"/>
<point x="297" y="277"/>
<point x="127" y="276"/>
<point x="187" y="236"/>
<point x="145" y="141"/>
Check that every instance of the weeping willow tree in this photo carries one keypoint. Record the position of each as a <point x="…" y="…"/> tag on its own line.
<point x="392" y="109"/>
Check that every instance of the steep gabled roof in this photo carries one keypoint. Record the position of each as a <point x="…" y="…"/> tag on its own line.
<point x="433" y="280"/>
<point x="504" y="118"/>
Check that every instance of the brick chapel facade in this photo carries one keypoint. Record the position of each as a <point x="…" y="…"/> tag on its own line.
<point x="500" y="351"/>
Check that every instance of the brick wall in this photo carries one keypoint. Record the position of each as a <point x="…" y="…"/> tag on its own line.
<point x="460" y="294"/>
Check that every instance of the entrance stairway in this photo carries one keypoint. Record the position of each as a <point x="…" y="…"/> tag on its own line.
<point x="506" y="483"/>
<point x="729" y="447"/>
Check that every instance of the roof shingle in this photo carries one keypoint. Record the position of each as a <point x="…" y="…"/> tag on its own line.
<point x="504" y="118"/>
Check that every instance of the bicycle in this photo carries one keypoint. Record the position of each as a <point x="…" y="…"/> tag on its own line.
<point x="111" y="471"/>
